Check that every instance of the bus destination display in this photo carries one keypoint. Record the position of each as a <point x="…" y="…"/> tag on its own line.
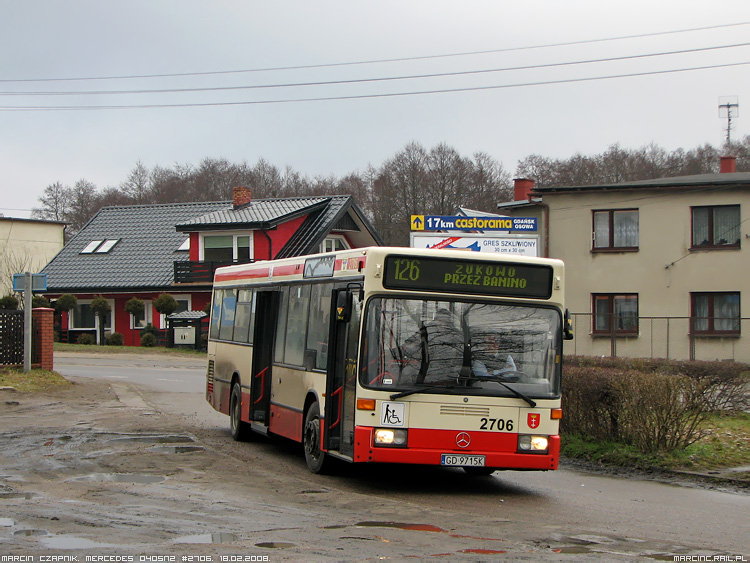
<point x="468" y="276"/>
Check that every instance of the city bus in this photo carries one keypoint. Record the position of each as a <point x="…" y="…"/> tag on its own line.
<point x="394" y="355"/>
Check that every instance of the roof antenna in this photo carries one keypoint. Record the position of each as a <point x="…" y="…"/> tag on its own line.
<point x="729" y="107"/>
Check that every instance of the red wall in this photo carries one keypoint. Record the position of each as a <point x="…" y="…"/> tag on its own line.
<point x="279" y="237"/>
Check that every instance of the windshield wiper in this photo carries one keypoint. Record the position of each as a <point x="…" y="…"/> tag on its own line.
<point x="517" y="393"/>
<point x="532" y="402"/>
<point x="420" y="390"/>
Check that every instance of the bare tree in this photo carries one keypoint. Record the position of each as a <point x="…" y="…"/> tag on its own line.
<point x="54" y="203"/>
<point x="138" y="184"/>
<point x="83" y="204"/>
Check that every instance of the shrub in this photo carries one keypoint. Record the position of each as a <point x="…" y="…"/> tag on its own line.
<point x="653" y="405"/>
<point x="148" y="340"/>
<point x="9" y="302"/>
<point x="165" y="304"/>
<point x="148" y="329"/>
<point x="135" y="306"/>
<point x="115" y="339"/>
<point x="86" y="339"/>
<point x="66" y="302"/>
<point x="39" y="301"/>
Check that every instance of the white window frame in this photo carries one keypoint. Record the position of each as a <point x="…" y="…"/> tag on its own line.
<point x="178" y="297"/>
<point x="148" y="315"/>
<point x="71" y="316"/>
<point x="234" y="235"/>
<point x="332" y="238"/>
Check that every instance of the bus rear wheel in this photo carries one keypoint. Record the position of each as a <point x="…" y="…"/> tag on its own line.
<point x="316" y="459"/>
<point x="240" y="430"/>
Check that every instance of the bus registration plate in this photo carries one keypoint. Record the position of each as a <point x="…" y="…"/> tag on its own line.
<point x="462" y="460"/>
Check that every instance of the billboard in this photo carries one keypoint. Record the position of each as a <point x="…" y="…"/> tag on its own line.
<point x="518" y="245"/>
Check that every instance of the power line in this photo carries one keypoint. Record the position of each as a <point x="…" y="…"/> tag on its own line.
<point x="368" y="80"/>
<point x="370" y="96"/>
<point x="376" y="61"/>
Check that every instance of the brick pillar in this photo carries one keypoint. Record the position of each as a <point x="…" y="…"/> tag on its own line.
<point x="43" y="321"/>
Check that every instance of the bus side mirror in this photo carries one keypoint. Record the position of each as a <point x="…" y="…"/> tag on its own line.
<point x="344" y="306"/>
<point x="567" y="326"/>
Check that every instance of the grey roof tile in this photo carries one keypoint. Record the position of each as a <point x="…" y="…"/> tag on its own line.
<point x="142" y="259"/>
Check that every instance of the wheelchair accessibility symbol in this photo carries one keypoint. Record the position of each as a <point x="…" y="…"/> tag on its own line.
<point x="392" y="414"/>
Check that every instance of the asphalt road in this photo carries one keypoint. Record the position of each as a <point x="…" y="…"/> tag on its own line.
<point x="366" y="512"/>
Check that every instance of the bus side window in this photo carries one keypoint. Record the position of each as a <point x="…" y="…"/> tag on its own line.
<point x="281" y="325"/>
<point x="243" y="317"/>
<point x="216" y="313"/>
<point x="228" y="305"/>
<point x="299" y="305"/>
<point x="319" y="319"/>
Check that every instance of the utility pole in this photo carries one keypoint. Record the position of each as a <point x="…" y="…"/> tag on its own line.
<point x="730" y="106"/>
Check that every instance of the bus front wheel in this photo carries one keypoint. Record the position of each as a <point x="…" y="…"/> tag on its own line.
<point x="240" y="430"/>
<point x="314" y="456"/>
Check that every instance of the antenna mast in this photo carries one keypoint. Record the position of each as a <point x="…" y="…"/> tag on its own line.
<point x="729" y="107"/>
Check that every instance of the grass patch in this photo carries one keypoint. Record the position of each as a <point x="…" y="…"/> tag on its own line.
<point x="725" y="443"/>
<point x="30" y="381"/>
<point x="156" y="350"/>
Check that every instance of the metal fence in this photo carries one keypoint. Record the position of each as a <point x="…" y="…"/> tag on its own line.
<point x="658" y="337"/>
<point x="11" y="338"/>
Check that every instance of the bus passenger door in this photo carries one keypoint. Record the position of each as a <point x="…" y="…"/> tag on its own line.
<point x="342" y="372"/>
<point x="267" y="303"/>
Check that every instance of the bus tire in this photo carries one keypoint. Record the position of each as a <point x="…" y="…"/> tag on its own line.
<point x="479" y="471"/>
<point x="316" y="459"/>
<point x="240" y="430"/>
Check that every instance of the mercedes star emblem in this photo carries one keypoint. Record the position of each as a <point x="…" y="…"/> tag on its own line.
<point x="463" y="440"/>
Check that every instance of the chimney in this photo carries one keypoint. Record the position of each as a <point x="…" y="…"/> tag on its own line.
<point x="522" y="188"/>
<point x="242" y="196"/>
<point x="728" y="164"/>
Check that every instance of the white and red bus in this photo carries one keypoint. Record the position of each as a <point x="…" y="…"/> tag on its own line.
<point x="394" y="355"/>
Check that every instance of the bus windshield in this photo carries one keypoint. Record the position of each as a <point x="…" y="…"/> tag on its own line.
<point x="460" y="347"/>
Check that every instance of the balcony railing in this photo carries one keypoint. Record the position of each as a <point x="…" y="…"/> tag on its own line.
<point x="200" y="272"/>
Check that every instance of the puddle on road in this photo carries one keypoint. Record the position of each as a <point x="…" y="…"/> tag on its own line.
<point x="12" y="496"/>
<point x="70" y="542"/>
<point x="176" y="449"/>
<point x="275" y="545"/>
<point x="219" y="537"/>
<point x="154" y="439"/>
<point x="31" y="533"/>
<point x="573" y="549"/>
<point x="7" y="522"/>
<point x="139" y="478"/>
<point x="401" y="526"/>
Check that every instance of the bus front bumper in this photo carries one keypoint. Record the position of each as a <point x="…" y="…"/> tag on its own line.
<point x="427" y="447"/>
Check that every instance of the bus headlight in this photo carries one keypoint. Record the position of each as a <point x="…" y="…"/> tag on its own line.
<point x="533" y="444"/>
<point x="390" y="437"/>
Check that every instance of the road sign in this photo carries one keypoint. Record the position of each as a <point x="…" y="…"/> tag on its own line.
<point x="417" y="222"/>
<point x="463" y="223"/>
<point x="38" y="282"/>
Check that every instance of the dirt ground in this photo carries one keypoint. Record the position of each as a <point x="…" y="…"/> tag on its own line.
<point x="94" y="469"/>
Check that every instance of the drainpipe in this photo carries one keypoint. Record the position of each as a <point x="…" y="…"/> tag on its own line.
<point x="545" y="242"/>
<point x="270" y="242"/>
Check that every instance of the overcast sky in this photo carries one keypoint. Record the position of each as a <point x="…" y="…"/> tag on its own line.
<point x="343" y="127"/>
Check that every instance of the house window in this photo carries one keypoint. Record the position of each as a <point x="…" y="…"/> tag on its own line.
<point x="716" y="313"/>
<point x="334" y="243"/>
<point x="183" y="304"/>
<point x="90" y="247"/>
<point x="227" y="248"/>
<point x="615" y="313"/>
<point x="218" y="248"/>
<point x="83" y="317"/>
<point x="616" y="229"/>
<point x="143" y="318"/>
<point x="716" y="226"/>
